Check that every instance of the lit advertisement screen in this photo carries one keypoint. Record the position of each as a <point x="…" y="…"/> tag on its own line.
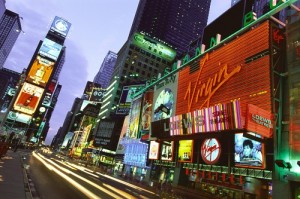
<point x="40" y="71"/>
<point x="19" y="117"/>
<point x="89" y="88"/>
<point x="146" y="115"/>
<point x="185" y="151"/>
<point x="126" y="99"/>
<point x="230" y="64"/>
<point x="167" y="151"/>
<point x="50" y="49"/>
<point x="153" y="46"/>
<point x="153" y="150"/>
<point x="135" y="117"/>
<point x="28" y="99"/>
<point x="165" y="99"/>
<point x="136" y="154"/>
<point x="60" y="26"/>
<point x="248" y="152"/>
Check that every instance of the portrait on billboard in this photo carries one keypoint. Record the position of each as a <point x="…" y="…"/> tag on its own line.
<point x="164" y="104"/>
<point x="40" y="71"/>
<point x="248" y="152"/>
<point x="167" y="151"/>
<point x="28" y="98"/>
<point x="153" y="150"/>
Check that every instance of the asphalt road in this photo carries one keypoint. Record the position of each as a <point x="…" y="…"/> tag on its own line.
<point x="54" y="178"/>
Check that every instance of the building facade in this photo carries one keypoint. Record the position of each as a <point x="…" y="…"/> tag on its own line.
<point x="176" y="22"/>
<point x="10" y="29"/>
<point x="104" y="74"/>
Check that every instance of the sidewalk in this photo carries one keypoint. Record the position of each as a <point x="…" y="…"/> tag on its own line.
<point x="13" y="178"/>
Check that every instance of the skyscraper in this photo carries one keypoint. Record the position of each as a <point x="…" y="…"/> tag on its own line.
<point x="2" y="7"/>
<point x="10" y="28"/>
<point x="177" y="22"/>
<point x="105" y="72"/>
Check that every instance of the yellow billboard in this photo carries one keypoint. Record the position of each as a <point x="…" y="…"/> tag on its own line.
<point x="40" y="71"/>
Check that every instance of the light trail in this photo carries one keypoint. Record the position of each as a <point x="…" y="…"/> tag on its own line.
<point x="126" y="195"/>
<point x="85" y="191"/>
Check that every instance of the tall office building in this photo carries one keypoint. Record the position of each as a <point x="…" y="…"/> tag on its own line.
<point x="31" y="109"/>
<point x="177" y="22"/>
<point x="10" y="28"/>
<point x="105" y="72"/>
<point x="2" y="7"/>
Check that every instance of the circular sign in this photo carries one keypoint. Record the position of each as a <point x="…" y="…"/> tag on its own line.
<point x="210" y="150"/>
<point x="61" y="25"/>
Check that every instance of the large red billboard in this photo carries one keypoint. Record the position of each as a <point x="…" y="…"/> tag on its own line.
<point x="28" y="98"/>
<point x="239" y="70"/>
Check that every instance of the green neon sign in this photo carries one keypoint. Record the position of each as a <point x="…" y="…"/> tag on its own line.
<point x="154" y="47"/>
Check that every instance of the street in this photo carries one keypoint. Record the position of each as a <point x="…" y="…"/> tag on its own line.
<point x="56" y="178"/>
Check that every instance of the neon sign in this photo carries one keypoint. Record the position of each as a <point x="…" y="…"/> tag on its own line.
<point x="207" y="89"/>
<point x="275" y="6"/>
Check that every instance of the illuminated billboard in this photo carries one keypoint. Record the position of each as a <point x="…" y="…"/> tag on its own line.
<point x="19" y="117"/>
<point x="28" y="99"/>
<point x="126" y="98"/>
<point x="210" y="150"/>
<point x="153" y="150"/>
<point x="236" y="70"/>
<point x="136" y="154"/>
<point x="89" y="88"/>
<point x="167" y="150"/>
<point x="50" y="49"/>
<point x="60" y="26"/>
<point x="146" y="115"/>
<point x="185" y="151"/>
<point x="135" y="117"/>
<point x="154" y="47"/>
<point x="259" y="120"/>
<point x="40" y="71"/>
<point x="164" y="100"/>
<point x="248" y="152"/>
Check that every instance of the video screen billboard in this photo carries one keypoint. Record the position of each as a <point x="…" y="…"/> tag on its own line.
<point x="185" y="151"/>
<point x="60" y="26"/>
<point x="19" y="117"/>
<point x="40" y="71"/>
<point x="153" y="150"/>
<point x="167" y="148"/>
<point x="135" y="117"/>
<point x="50" y="49"/>
<point x="248" y="152"/>
<point x="28" y="98"/>
<point x="164" y="99"/>
<point x="126" y="99"/>
<point x="146" y="115"/>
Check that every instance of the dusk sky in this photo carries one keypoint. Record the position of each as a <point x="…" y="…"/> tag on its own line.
<point x="97" y="27"/>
